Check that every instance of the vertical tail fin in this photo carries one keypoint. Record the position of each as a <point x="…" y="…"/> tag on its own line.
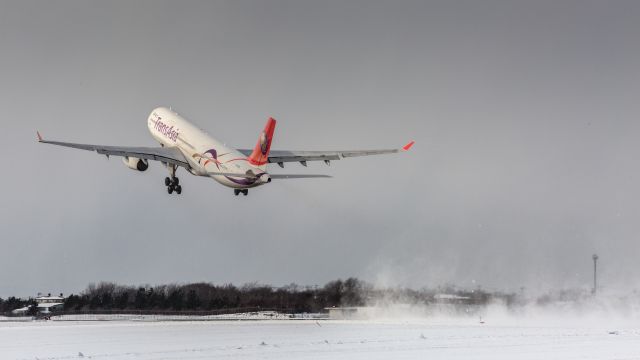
<point x="260" y="155"/>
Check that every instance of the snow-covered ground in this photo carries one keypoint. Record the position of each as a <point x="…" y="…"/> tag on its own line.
<point x="260" y="315"/>
<point x="300" y="339"/>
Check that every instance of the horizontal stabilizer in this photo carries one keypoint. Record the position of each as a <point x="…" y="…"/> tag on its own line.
<point x="246" y="176"/>
<point x="273" y="176"/>
<point x="297" y="176"/>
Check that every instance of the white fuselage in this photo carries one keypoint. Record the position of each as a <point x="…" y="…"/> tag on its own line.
<point x="205" y="154"/>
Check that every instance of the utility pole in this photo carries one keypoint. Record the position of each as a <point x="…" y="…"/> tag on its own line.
<point x="595" y="268"/>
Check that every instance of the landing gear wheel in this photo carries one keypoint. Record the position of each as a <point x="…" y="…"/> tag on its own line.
<point x="245" y="192"/>
<point x="236" y="192"/>
<point x="172" y="182"/>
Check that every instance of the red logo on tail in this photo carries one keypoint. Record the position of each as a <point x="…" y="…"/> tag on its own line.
<point x="260" y="154"/>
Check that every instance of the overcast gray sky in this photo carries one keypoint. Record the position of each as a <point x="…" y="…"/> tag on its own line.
<point x="525" y="116"/>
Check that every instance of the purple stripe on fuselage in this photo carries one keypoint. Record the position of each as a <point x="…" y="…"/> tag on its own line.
<point x="245" y="181"/>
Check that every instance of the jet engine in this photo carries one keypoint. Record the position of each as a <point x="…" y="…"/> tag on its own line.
<point x="135" y="163"/>
<point x="265" y="178"/>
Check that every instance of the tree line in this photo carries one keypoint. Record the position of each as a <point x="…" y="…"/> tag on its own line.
<point x="208" y="297"/>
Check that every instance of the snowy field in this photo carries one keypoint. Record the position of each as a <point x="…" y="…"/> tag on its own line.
<point x="311" y="339"/>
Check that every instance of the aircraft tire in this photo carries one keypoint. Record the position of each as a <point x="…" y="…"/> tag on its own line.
<point x="170" y="189"/>
<point x="167" y="181"/>
<point x="178" y="189"/>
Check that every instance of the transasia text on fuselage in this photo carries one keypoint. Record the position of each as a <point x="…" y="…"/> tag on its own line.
<point x="166" y="130"/>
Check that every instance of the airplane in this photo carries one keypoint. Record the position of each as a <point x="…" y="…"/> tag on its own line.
<point x="183" y="144"/>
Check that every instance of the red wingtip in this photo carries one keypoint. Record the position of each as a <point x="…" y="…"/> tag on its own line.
<point x="39" y="136"/>
<point x="408" y="146"/>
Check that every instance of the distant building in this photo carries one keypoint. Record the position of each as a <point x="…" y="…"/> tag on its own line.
<point x="339" y="313"/>
<point x="48" y="304"/>
<point x="44" y="305"/>
<point x="451" y="299"/>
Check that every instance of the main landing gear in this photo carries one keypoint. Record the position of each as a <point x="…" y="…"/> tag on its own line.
<point x="237" y="192"/>
<point x="173" y="184"/>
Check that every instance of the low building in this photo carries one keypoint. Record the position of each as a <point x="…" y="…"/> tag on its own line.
<point x="352" y="312"/>
<point x="21" y="311"/>
<point x="451" y="299"/>
<point x="339" y="313"/>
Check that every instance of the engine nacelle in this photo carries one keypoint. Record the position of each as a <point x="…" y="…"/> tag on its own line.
<point x="135" y="163"/>
<point x="264" y="178"/>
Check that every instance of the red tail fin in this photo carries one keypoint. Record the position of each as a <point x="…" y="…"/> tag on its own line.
<point x="260" y="153"/>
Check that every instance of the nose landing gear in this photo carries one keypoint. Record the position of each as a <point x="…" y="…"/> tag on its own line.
<point x="244" y="192"/>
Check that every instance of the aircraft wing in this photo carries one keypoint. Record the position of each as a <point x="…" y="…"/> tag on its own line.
<point x="282" y="156"/>
<point x="164" y="154"/>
